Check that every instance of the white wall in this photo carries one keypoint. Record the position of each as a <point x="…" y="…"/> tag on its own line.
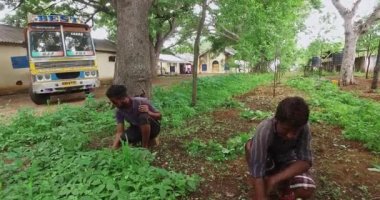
<point x="105" y="67"/>
<point x="363" y="62"/>
<point x="166" y="68"/>
<point x="8" y="75"/>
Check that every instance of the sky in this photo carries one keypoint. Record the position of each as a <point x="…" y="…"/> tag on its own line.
<point x="335" y="30"/>
<point x="314" y="24"/>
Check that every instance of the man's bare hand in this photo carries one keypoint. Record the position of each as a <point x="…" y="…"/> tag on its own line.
<point x="143" y="108"/>
<point x="270" y="184"/>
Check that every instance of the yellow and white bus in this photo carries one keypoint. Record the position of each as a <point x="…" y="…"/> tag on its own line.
<point x="61" y="56"/>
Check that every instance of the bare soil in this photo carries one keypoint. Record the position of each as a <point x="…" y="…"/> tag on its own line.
<point x="340" y="166"/>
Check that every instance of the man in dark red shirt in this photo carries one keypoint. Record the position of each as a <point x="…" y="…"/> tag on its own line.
<point x="279" y="154"/>
<point x="141" y="115"/>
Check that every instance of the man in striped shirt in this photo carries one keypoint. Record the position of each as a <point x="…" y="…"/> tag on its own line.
<point x="279" y="154"/>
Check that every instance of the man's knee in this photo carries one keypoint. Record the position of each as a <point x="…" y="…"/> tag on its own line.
<point x="144" y="118"/>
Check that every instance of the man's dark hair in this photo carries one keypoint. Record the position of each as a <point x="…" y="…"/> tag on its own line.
<point x="116" y="91"/>
<point x="294" y="111"/>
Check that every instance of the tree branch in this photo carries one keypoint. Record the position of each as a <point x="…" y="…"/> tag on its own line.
<point x="362" y="27"/>
<point x="18" y="5"/>
<point x="231" y="35"/>
<point x="341" y="9"/>
<point x="356" y="5"/>
<point x="91" y="17"/>
<point x="173" y="25"/>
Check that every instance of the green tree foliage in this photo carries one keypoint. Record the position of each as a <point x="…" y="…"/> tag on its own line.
<point x="81" y="8"/>
<point x="368" y="42"/>
<point x="323" y="48"/>
<point x="259" y="30"/>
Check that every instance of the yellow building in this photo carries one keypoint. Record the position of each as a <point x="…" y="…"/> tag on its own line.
<point x="210" y="62"/>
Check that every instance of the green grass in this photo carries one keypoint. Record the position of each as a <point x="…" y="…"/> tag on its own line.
<point x="48" y="156"/>
<point x="213" y="92"/>
<point x="359" y="117"/>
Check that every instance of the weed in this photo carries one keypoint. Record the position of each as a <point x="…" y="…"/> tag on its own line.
<point x="217" y="152"/>
<point x="255" y="114"/>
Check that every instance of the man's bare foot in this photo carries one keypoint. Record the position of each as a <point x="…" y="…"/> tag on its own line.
<point x="154" y="142"/>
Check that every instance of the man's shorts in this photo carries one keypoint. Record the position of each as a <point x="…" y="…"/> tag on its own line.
<point x="133" y="133"/>
<point x="304" y="180"/>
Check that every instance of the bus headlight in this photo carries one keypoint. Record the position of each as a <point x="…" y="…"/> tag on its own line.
<point x="47" y="77"/>
<point x="39" y="77"/>
<point x="90" y="74"/>
<point x="43" y="77"/>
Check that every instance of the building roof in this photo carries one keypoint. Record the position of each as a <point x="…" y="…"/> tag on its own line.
<point x="230" y="51"/>
<point x="186" y="56"/>
<point x="104" y="45"/>
<point x="11" y="35"/>
<point x="171" y="58"/>
<point x="227" y="50"/>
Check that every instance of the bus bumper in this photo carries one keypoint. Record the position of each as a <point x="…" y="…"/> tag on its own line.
<point x="65" y="86"/>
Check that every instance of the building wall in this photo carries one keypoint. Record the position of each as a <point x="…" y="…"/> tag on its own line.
<point x="105" y="66"/>
<point x="362" y="62"/>
<point x="165" y="68"/>
<point x="208" y="59"/>
<point x="10" y="76"/>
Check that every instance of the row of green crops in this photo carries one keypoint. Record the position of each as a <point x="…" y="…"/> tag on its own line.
<point x="48" y="156"/>
<point x="217" y="152"/>
<point x="359" y="117"/>
<point x="212" y="92"/>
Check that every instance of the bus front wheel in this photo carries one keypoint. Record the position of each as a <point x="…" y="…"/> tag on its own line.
<point x="39" y="99"/>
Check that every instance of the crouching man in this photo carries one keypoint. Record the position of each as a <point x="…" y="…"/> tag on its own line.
<point x="142" y="117"/>
<point x="279" y="155"/>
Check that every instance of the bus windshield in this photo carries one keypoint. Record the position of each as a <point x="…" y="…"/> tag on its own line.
<point x="46" y="43"/>
<point x="78" y="44"/>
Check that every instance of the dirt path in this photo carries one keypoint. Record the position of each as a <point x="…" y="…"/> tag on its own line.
<point x="340" y="166"/>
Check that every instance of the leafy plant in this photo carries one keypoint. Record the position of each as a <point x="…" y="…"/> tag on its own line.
<point x="255" y="114"/>
<point x="357" y="116"/>
<point x="217" y="152"/>
<point x="46" y="156"/>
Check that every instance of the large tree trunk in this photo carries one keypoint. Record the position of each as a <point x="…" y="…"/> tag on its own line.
<point x="196" y="52"/>
<point x="133" y="64"/>
<point x="154" y="57"/>
<point x="347" y="69"/>
<point x="352" y="32"/>
<point x="376" y="70"/>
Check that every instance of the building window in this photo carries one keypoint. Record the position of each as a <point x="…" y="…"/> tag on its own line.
<point x="112" y="58"/>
